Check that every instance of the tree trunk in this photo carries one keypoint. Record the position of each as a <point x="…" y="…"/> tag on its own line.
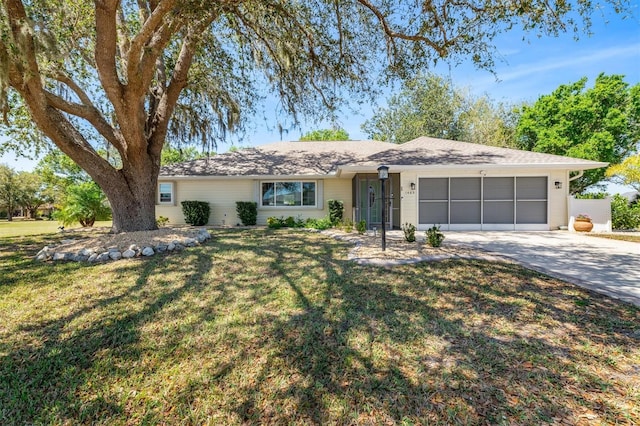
<point x="132" y="199"/>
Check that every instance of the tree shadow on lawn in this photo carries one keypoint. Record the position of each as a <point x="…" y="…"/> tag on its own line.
<point x="278" y="327"/>
<point x="17" y="260"/>
<point x="413" y="343"/>
<point x="43" y="377"/>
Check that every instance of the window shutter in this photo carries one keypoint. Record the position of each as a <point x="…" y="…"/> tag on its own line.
<point x="256" y="192"/>
<point x="320" y="194"/>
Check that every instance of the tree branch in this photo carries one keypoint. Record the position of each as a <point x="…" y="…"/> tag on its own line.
<point x="105" y="53"/>
<point x="167" y="104"/>
<point x="148" y="31"/>
<point x="89" y="113"/>
<point x="392" y="35"/>
<point x="124" y="43"/>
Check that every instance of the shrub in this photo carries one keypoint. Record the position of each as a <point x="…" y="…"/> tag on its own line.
<point x="409" y="232"/>
<point x="247" y="212"/>
<point x="591" y="196"/>
<point x="361" y="227"/>
<point x="289" y="222"/>
<point x="196" y="213"/>
<point x="347" y="225"/>
<point x="162" y="221"/>
<point x="336" y="210"/>
<point x="434" y="236"/>
<point x="319" y="224"/>
<point x="84" y="203"/>
<point x="624" y="215"/>
<point x="274" y="222"/>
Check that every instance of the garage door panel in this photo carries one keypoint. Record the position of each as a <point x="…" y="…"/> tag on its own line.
<point x="534" y="212"/>
<point x="434" y="212"/>
<point x="498" y="188"/>
<point x="531" y="188"/>
<point x="434" y="189"/>
<point x="498" y="212"/>
<point x="465" y="188"/>
<point x="465" y="212"/>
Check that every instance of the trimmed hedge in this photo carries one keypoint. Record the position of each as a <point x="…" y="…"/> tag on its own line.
<point x="247" y="212"/>
<point x="196" y="213"/>
<point x="336" y="211"/>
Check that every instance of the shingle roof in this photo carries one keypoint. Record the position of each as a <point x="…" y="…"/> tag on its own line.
<point x="325" y="158"/>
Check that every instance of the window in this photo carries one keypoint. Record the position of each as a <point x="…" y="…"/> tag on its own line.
<point x="288" y="194"/>
<point x="165" y="193"/>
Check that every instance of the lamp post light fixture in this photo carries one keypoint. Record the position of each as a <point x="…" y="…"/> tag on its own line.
<point x="383" y="175"/>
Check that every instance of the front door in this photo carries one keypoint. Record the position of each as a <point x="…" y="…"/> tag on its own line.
<point x="370" y="202"/>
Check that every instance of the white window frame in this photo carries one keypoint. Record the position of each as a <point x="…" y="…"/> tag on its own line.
<point x="172" y="192"/>
<point x="301" y="206"/>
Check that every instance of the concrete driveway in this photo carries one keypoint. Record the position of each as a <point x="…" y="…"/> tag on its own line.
<point x="607" y="266"/>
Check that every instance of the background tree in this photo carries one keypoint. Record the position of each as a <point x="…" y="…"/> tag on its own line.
<point x="627" y="172"/>
<point x="123" y="75"/>
<point x="33" y="193"/>
<point x="335" y="134"/>
<point x="178" y="155"/>
<point x="429" y="105"/>
<point x="84" y="203"/>
<point x="601" y="123"/>
<point x="9" y="190"/>
<point x="484" y="122"/>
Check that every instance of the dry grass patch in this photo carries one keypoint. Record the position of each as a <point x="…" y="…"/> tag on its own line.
<point x="634" y="238"/>
<point x="263" y="326"/>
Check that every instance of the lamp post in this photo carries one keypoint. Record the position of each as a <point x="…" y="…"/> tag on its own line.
<point x="383" y="175"/>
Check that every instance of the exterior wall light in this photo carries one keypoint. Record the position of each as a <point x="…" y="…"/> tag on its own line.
<point x="558" y="184"/>
<point x="413" y="186"/>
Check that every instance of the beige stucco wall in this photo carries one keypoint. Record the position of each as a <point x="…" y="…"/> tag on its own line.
<point x="222" y="195"/>
<point x="409" y="200"/>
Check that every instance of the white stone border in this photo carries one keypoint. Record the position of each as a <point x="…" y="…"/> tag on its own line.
<point x="113" y="253"/>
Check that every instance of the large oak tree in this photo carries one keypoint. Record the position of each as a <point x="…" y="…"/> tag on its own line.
<point x="125" y="74"/>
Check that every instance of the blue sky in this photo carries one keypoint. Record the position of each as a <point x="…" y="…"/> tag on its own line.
<point x="524" y="71"/>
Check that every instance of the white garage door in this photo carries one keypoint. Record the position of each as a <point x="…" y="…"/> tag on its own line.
<point x="483" y="203"/>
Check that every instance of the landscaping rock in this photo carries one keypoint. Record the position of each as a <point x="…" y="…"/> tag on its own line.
<point x="128" y="254"/>
<point x="115" y="255"/>
<point x="103" y="257"/>
<point x="112" y="252"/>
<point x="59" y="256"/>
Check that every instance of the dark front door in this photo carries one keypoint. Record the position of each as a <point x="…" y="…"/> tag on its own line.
<point x="370" y="201"/>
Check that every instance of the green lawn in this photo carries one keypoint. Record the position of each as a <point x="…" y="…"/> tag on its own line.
<point x="277" y="327"/>
<point x="35" y="227"/>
